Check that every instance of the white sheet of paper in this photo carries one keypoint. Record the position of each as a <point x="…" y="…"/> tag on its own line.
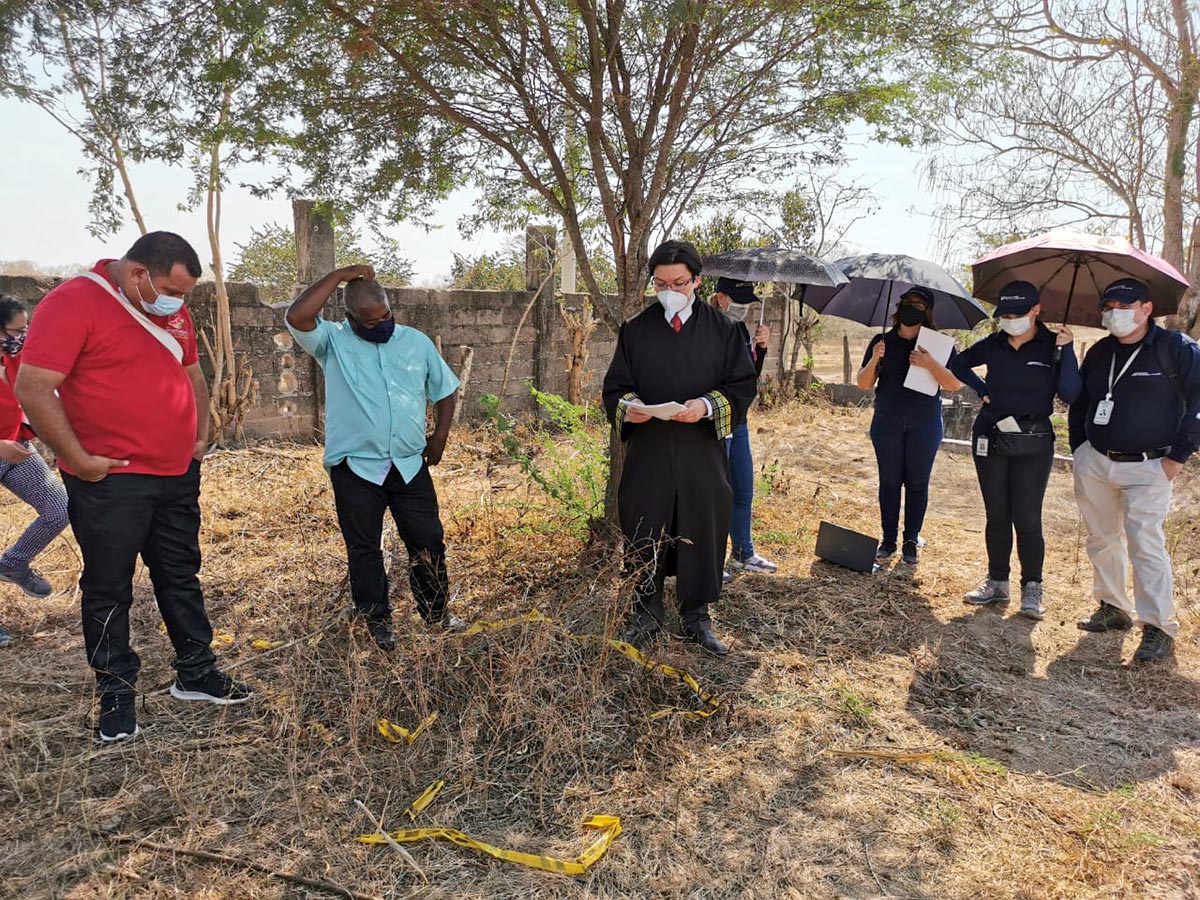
<point x="939" y="346"/>
<point x="658" y="410"/>
<point x="1008" y="425"/>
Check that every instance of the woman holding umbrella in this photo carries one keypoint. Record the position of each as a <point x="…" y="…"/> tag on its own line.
<point x="1013" y="439"/>
<point x="907" y="427"/>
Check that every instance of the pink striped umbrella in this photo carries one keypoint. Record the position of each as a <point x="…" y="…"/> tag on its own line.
<point x="1067" y="266"/>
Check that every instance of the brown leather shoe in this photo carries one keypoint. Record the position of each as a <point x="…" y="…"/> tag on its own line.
<point x="1106" y="618"/>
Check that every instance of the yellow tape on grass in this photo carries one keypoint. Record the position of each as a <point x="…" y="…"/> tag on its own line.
<point x="711" y="703"/>
<point x="398" y="735"/>
<point x="609" y="827"/>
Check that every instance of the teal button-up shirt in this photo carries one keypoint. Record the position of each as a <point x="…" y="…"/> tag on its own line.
<point x="375" y="396"/>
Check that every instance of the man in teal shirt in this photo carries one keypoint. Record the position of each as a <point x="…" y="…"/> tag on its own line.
<point x="379" y="377"/>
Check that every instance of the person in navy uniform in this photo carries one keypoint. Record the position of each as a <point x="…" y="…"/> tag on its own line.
<point x="1135" y="424"/>
<point x="907" y="426"/>
<point x="1027" y="364"/>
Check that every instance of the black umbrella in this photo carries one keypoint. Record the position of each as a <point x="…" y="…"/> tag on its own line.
<point x="774" y="264"/>
<point x="879" y="280"/>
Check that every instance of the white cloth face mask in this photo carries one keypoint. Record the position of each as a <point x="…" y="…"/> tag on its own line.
<point x="1119" y="322"/>
<point x="1016" y="327"/>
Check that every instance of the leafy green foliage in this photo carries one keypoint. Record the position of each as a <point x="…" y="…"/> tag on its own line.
<point x="568" y="460"/>
<point x="268" y="259"/>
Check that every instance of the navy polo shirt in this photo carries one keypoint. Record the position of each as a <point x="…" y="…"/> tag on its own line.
<point x="1151" y="411"/>
<point x="891" y="396"/>
<point x="1021" y="381"/>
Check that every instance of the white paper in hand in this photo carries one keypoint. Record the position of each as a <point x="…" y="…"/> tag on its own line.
<point x="939" y="346"/>
<point x="658" y="410"/>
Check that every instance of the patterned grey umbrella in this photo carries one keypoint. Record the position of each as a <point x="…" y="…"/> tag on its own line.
<point x="773" y="264"/>
<point x="879" y="280"/>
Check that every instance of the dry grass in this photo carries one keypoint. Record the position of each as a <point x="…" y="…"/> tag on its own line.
<point x="1031" y="762"/>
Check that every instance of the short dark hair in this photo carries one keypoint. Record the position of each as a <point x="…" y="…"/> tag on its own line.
<point x="670" y="253"/>
<point x="362" y="291"/>
<point x="160" y="251"/>
<point x="10" y="308"/>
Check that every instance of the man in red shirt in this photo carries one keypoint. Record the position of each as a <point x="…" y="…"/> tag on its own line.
<point x="110" y="380"/>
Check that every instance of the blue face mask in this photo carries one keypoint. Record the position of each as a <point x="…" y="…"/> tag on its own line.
<point x="162" y="304"/>
<point x="379" y="334"/>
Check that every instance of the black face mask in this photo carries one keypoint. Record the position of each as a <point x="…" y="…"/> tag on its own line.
<point x="910" y="315"/>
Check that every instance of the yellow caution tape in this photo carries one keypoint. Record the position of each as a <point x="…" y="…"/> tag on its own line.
<point x="261" y="644"/>
<point x="398" y="735"/>
<point x="610" y="827"/>
<point x="481" y="627"/>
<point x="712" y="703"/>
<point x="428" y="796"/>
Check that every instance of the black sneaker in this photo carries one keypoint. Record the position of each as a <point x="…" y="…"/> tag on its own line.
<point x="1106" y="618"/>
<point x="6" y="636"/>
<point x="1156" y="646"/>
<point x="381" y="633"/>
<point x="28" y="579"/>
<point x="118" y="717"/>
<point x="908" y="553"/>
<point x="214" y="687"/>
<point x="887" y="550"/>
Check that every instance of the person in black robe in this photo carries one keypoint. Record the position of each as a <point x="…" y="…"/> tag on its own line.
<point x="674" y="499"/>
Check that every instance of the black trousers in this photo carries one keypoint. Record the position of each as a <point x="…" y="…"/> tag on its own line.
<point x="360" y="508"/>
<point x="651" y="560"/>
<point x="114" y="521"/>
<point x="1013" y="489"/>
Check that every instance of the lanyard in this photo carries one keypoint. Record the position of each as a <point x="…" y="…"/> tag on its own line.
<point x="1112" y="367"/>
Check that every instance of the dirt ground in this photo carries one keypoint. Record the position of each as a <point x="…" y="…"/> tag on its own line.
<point x="876" y="737"/>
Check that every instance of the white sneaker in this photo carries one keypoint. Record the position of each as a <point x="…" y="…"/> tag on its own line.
<point x="756" y="564"/>
<point x="726" y="578"/>
<point x="989" y="591"/>
<point x="1031" y="601"/>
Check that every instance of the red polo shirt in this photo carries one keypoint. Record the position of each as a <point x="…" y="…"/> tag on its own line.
<point x="124" y="393"/>
<point x="10" y="409"/>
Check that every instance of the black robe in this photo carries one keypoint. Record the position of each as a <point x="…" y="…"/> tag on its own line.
<point x="675" y="497"/>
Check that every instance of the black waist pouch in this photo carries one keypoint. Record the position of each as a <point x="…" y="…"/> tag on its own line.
<point x="1036" y="438"/>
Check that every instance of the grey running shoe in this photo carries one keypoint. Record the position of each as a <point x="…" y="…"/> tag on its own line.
<point x="28" y="579"/>
<point x="887" y="549"/>
<point x="755" y="563"/>
<point x="989" y="591"/>
<point x="726" y="578"/>
<point x="6" y="636"/>
<point x="1156" y="646"/>
<point x="1031" y="601"/>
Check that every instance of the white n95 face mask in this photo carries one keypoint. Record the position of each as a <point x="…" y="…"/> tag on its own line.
<point x="1016" y="327"/>
<point x="1120" y="321"/>
<point x="673" y="302"/>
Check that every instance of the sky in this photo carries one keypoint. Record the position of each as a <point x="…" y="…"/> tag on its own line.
<point x="44" y="205"/>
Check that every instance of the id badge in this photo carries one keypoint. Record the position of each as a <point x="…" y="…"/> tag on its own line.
<point x="981" y="446"/>
<point x="1103" y="414"/>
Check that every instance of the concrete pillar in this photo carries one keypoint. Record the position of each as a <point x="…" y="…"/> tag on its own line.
<point x="314" y="257"/>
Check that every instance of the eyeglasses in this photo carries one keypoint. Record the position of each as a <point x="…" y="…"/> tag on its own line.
<point x="672" y="286"/>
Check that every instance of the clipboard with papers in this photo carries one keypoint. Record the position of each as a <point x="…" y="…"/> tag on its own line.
<point x="940" y="346"/>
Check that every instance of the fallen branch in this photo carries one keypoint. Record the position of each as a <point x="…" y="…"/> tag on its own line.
<point x="316" y="884"/>
<point x="408" y="857"/>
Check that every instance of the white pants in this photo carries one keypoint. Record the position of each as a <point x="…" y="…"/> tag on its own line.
<point x="1127" y="502"/>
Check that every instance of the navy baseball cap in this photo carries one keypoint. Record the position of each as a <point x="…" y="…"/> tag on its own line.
<point x="925" y="295"/>
<point x="1126" y="290"/>
<point x="1016" y="298"/>
<point x="741" y="292"/>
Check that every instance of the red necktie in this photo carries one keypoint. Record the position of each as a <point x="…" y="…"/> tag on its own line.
<point x="677" y="323"/>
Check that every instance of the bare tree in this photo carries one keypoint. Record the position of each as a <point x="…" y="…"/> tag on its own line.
<point x="1088" y="118"/>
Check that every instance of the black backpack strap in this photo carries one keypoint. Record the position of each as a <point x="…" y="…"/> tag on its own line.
<point x="1166" y="359"/>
